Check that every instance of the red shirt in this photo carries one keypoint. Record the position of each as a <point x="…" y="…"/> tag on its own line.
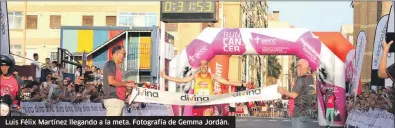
<point x="121" y="91"/>
<point x="331" y="102"/>
<point x="9" y="86"/>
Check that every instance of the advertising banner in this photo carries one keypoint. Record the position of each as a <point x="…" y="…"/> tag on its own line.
<point x="377" y="51"/>
<point x="359" y="54"/>
<point x="269" y="41"/>
<point x="164" y="97"/>
<point x="4" y="31"/>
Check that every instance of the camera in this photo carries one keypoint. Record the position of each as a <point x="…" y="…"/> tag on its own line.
<point x="5" y="105"/>
<point x="388" y="37"/>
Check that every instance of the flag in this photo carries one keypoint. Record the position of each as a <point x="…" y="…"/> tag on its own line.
<point x="384" y="26"/>
<point x="359" y="53"/>
<point x="4" y="32"/>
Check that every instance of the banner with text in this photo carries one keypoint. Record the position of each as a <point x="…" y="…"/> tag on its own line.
<point x="164" y="97"/>
<point x="359" y="54"/>
<point x="4" y="32"/>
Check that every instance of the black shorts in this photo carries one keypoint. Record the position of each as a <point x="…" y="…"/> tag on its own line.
<point x="232" y="109"/>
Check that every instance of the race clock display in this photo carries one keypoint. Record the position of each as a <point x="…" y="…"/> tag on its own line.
<point x="189" y="11"/>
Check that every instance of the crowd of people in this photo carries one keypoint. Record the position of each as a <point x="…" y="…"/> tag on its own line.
<point x="51" y="84"/>
<point x="51" y="87"/>
<point x="381" y="99"/>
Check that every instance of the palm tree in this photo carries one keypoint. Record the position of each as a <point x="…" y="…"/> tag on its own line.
<point x="273" y="69"/>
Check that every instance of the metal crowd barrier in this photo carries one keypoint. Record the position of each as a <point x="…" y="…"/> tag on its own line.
<point x="371" y="119"/>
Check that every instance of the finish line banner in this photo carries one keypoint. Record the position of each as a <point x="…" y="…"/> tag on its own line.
<point x="119" y="122"/>
<point x="163" y="97"/>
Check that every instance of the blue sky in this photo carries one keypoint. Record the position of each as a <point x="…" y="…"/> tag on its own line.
<point x="314" y="15"/>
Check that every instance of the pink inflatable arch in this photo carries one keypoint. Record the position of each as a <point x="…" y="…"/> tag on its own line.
<point x="258" y="41"/>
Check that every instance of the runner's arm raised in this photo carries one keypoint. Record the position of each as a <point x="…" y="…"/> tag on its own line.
<point x="223" y="81"/>
<point x="177" y="80"/>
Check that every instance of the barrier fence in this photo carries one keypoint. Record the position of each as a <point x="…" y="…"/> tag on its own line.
<point x="370" y="119"/>
<point x="88" y="109"/>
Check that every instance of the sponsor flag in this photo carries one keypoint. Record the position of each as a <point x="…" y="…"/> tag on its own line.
<point x="4" y="31"/>
<point x="359" y="53"/>
<point x="377" y="51"/>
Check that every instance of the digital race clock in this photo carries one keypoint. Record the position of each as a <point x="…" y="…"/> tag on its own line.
<point x="189" y="11"/>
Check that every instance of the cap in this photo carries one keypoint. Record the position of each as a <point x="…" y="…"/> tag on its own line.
<point x="7" y="60"/>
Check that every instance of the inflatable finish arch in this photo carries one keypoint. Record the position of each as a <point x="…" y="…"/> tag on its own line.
<point x="330" y="61"/>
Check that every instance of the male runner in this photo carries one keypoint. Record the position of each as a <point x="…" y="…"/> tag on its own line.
<point x="203" y="86"/>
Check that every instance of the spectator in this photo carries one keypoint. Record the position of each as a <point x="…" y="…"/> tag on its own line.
<point x="37" y="65"/>
<point x="67" y="94"/>
<point x="47" y="64"/>
<point x="8" y="81"/>
<point x="77" y="75"/>
<point x="385" y="72"/>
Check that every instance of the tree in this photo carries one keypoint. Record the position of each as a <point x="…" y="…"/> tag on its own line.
<point x="273" y="69"/>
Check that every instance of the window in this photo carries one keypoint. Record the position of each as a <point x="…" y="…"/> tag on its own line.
<point x="31" y="22"/>
<point x="15" y="20"/>
<point x="138" y="19"/>
<point x="87" y="20"/>
<point x="17" y="49"/>
<point x="55" y="21"/>
<point x="173" y="27"/>
<point x="111" y="20"/>
<point x="53" y="56"/>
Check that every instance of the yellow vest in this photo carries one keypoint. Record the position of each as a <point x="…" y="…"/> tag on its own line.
<point x="203" y="85"/>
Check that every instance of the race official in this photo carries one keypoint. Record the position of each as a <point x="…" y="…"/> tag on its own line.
<point x="301" y="95"/>
<point x="114" y="87"/>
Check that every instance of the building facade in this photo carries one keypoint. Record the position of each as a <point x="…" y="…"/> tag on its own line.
<point x="243" y="14"/>
<point x="284" y="60"/>
<point x="254" y="15"/>
<point x="347" y="31"/>
<point x="366" y="16"/>
<point x="35" y="26"/>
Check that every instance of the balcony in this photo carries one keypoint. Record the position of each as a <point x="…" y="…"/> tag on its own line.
<point x="139" y="56"/>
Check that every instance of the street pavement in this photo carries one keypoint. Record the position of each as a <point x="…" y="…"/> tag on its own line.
<point x="256" y="122"/>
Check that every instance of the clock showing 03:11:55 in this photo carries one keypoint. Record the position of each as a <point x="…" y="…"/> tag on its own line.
<point x="198" y="6"/>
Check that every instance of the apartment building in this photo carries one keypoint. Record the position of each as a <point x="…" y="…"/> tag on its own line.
<point x="284" y="60"/>
<point x="243" y="14"/>
<point x="366" y="16"/>
<point x="254" y="15"/>
<point x="35" y="26"/>
<point x="347" y="31"/>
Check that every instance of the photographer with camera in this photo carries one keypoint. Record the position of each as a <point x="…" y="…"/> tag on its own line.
<point x="9" y="86"/>
<point x="385" y="72"/>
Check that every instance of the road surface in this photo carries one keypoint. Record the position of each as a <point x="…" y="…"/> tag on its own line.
<point x="255" y="122"/>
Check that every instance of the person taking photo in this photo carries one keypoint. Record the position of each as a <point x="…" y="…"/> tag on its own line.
<point x="384" y="71"/>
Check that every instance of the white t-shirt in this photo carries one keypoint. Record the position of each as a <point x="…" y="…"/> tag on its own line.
<point x="38" y="69"/>
<point x="55" y="69"/>
<point x="77" y="74"/>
